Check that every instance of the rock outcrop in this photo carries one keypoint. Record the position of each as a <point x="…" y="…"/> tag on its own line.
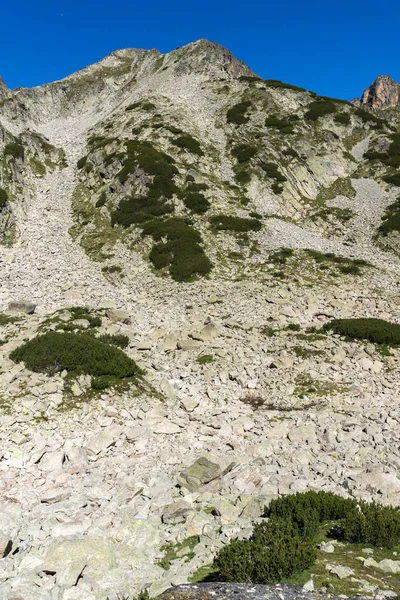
<point x="383" y="93"/>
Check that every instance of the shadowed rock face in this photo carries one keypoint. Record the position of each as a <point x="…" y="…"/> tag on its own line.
<point x="384" y="92"/>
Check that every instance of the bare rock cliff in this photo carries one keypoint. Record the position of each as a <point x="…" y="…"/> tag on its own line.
<point x="383" y="92"/>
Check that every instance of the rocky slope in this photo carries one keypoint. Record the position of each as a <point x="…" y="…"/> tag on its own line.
<point x="278" y="212"/>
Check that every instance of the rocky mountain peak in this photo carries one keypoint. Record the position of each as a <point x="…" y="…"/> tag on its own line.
<point x="382" y="93"/>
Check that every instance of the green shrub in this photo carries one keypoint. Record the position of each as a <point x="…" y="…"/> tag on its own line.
<point x="147" y="106"/>
<point x="196" y="202"/>
<point x="139" y="210"/>
<point x="188" y="142"/>
<point x="3" y="198"/>
<point x="153" y="162"/>
<point x="112" y="269"/>
<point x="284" y="125"/>
<point x="14" y="149"/>
<point x="78" y="354"/>
<point x="182" y="251"/>
<point x="285" y="545"/>
<point x="122" y="341"/>
<point x="393" y="179"/>
<point x="367" y="117"/>
<point x="275" y="83"/>
<point x="237" y="114"/>
<point x="102" y="200"/>
<point x="242" y="177"/>
<point x="391" y="219"/>
<point x="197" y="187"/>
<point x="243" y="152"/>
<point x="81" y="162"/>
<point x="249" y="78"/>
<point x="319" y="108"/>
<point x="237" y="224"/>
<point x="342" y="118"/>
<point x="272" y="171"/>
<point x="377" y="331"/>
<point x="81" y="312"/>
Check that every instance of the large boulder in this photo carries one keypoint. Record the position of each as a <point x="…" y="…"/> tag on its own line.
<point x="202" y="473"/>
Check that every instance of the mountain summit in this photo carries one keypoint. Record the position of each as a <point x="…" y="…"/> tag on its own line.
<point x="382" y="93"/>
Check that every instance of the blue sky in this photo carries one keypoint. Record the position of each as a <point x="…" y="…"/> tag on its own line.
<point x="334" y="48"/>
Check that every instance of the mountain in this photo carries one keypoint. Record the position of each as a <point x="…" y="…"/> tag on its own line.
<point x="178" y="235"/>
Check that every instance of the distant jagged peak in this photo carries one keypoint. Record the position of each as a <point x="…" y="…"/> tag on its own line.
<point x="382" y="93"/>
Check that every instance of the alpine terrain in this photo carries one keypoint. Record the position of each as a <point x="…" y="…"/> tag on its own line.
<point x="200" y="313"/>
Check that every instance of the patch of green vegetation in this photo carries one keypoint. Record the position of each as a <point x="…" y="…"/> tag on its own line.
<point x="119" y="340"/>
<point x="196" y="202"/>
<point x="37" y="167"/>
<point x="307" y="386"/>
<point x="102" y="200"/>
<point x="3" y="198"/>
<point x="242" y="177"/>
<point x="391" y="218"/>
<point x="14" y="149"/>
<point x="281" y="256"/>
<point x="390" y="158"/>
<point x="275" y="83"/>
<point x="81" y="162"/>
<point x="319" y="108"/>
<point x="187" y="142"/>
<point x="293" y="327"/>
<point x="272" y="171"/>
<point x="153" y="162"/>
<point x="205" y="359"/>
<point x="345" y="265"/>
<point x="340" y="187"/>
<point x="238" y="113"/>
<point x="197" y="187"/>
<point x="147" y="106"/>
<point x="8" y="319"/>
<point x="285" y="544"/>
<point x="342" y="118"/>
<point x="367" y="117"/>
<point x="175" y="551"/>
<point x="112" y="269"/>
<point x="250" y="78"/>
<point x="393" y="179"/>
<point x="236" y="224"/>
<point x="243" y="152"/>
<point x="377" y="331"/>
<point x="181" y="251"/>
<point x="96" y="142"/>
<point x="173" y="129"/>
<point x="78" y="354"/>
<point x="284" y="126"/>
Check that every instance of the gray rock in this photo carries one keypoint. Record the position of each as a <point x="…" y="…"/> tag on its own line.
<point x="176" y="512"/>
<point x="22" y="306"/>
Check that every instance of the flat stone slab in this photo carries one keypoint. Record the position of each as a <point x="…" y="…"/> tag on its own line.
<point x="23" y="306"/>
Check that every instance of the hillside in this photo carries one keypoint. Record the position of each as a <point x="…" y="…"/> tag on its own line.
<point x="180" y="232"/>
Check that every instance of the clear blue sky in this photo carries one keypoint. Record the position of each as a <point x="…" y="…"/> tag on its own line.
<point x="335" y="48"/>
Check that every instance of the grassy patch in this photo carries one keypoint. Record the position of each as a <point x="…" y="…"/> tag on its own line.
<point x="180" y="550"/>
<point x="340" y="187"/>
<point x="391" y="218"/>
<point x="308" y="386"/>
<point x="3" y="198"/>
<point x="205" y="359"/>
<point x="14" y="149"/>
<point x="37" y="167"/>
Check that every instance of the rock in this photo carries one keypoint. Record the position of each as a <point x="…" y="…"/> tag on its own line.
<point x="69" y="573"/>
<point x="103" y="440"/>
<point x="170" y="342"/>
<point x="55" y="495"/>
<point x="5" y="546"/>
<point x="22" y="306"/>
<point x="308" y="586"/>
<point x="98" y="555"/>
<point x="189" y="404"/>
<point x="167" y="427"/>
<point x="116" y="316"/>
<point x="327" y="547"/>
<point x="382" y="93"/>
<point x="389" y="566"/>
<point x="188" y="345"/>
<point x="52" y="461"/>
<point x="342" y="572"/>
<point x="200" y="473"/>
<point x="176" y="512"/>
